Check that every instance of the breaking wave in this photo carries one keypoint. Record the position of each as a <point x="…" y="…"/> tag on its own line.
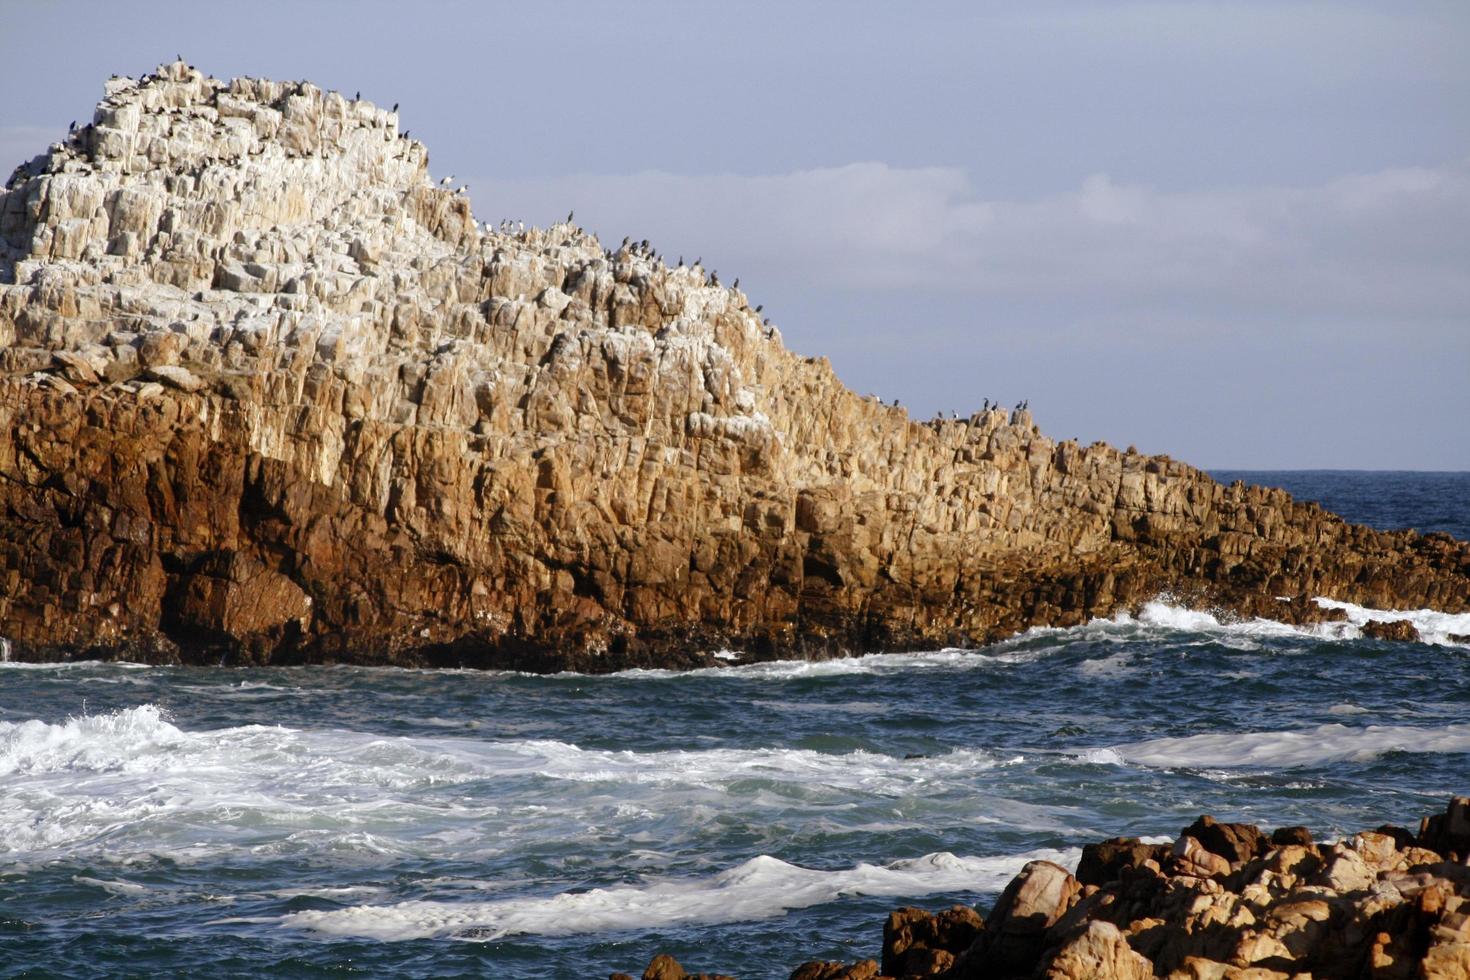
<point x="131" y="778"/>
<point x="1285" y="749"/>
<point x="760" y="888"/>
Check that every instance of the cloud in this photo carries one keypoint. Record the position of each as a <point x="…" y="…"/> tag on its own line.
<point x="1395" y="243"/>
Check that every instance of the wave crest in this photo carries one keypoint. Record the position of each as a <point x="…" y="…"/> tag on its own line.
<point x="760" y="888"/>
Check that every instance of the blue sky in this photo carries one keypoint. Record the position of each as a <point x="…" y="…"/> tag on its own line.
<point x="1238" y="233"/>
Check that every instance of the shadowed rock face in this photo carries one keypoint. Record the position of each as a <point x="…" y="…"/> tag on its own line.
<point x="267" y="391"/>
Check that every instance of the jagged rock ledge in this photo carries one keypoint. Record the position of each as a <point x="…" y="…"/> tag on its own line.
<point x="270" y="393"/>
<point x="1222" y="902"/>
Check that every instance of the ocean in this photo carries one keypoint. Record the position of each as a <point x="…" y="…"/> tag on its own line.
<point x="311" y="822"/>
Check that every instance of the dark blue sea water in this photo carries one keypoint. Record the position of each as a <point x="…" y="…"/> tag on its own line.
<point x="347" y="821"/>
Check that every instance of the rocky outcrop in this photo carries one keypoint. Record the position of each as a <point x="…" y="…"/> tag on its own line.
<point x="665" y="967"/>
<point x="1224" y="902"/>
<point x="268" y="392"/>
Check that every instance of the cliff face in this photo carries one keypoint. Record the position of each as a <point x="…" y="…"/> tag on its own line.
<point x="267" y="391"/>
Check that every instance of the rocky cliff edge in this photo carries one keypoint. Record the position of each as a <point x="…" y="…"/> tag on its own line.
<point x="269" y="392"/>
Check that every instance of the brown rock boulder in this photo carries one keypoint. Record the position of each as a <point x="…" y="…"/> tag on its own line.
<point x="1448" y="833"/>
<point x="1190" y="858"/>
<point x="1016" y="931"/>
<point x="1399" y="629"/>
<point x="1376" y="904"/>
<point x="665" y="967"/>
<point x="1100" y="950"/>
<point x="916" y="943"/>
<point x="1235" y="842"/>
<point x="1283" y="836"/>
<point x="1103" y="862"/>
<point x="821" y="970"/>
<point x="229" y="597"/>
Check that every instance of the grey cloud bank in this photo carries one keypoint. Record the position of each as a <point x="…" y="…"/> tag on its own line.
<point x="1395" y="242"/>
<point x="1236" y="233"/>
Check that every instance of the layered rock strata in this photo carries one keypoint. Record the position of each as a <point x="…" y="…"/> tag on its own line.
<point x="268" y="392"/>
<point x="1222" y="902"/>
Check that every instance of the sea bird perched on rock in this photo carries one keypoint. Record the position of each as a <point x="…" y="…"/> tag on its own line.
<point x="570" y="215"/>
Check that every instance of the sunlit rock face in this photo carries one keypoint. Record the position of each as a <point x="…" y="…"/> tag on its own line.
<point x="271" y="393"/>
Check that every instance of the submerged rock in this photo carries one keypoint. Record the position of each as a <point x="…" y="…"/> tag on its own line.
<point x="270" y="392"/>
<point x="1398" y="629"/>
<point x="665" y="967"/>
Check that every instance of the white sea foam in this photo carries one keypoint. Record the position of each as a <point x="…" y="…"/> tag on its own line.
<point x="1434" y="627"/>
<point x="71" y="665"/>
<point x="760" y="888"/>
<point x="876" y="663"/>
<point x="130" y="782"/>
<point x="1286" y="749"/>
<point x="123" y="888"/>
<point x="120" y="741"/>
<point x="1157" y="617"/>
<point x="1118" y="665"/>
<point x="1161" y="614"/>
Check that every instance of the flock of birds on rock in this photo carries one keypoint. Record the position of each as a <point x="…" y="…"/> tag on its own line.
<point x="640" y="248"/>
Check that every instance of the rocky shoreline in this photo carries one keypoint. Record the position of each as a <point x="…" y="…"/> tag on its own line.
<point x="269" y="393"/>
<point x="1224" y="901"/>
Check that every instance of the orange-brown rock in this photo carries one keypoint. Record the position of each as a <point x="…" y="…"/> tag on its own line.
<point x="827" y="970"/>
<point x="1378" y="904"/>
<point x="918" y="944"/>
<point x="665" y="967"/>
<point x="270" y="393"/>
<point x="1395" y="629"/>
<point x="1104" y="861"/>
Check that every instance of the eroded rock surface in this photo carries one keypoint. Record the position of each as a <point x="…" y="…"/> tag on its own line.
<point x="1380" y="904"/>
<point x="271" y="393"/>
